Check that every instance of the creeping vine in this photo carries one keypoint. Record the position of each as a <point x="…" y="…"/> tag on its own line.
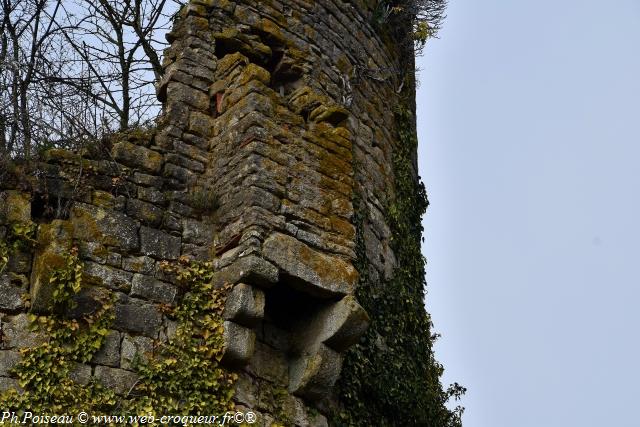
<point x="184" y="378"/>
<point x="391" y="377"/>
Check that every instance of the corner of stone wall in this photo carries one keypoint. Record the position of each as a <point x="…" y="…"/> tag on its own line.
<point x="276" y="117"/>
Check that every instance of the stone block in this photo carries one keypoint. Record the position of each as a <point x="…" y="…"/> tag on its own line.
<point x="269" y="364"/>
<point x="275" y="337"/>
<point x="185" y="162"/>
<point x="135" y="349"/>
<point x="312" y="271"/>
<point x="201" y="124"/>
<point x="172" y="222"/>
<point x="15" y="206"/>
<point x="8" y="360"/>
<point x="108" y="276"/>
<point x="139" y="264"/>
<point x="339" y="325"/>
<point x="249" y="269"/>
<point x="88" y="301"/>
<point x="93" y="251"/>
<point x="312" y="376"/>
<point x="245" y="305"/>
<point x="10" y="295"/>
<point x="146" y="213"/>
<point x="92" y="224"/>
<point x="239" y="344"/>
<point x="246" y="391"/>
<point x="8" y="384"/>
<point x="197" y="251"/>
<point x="152" y="289"/>
<point x="17" y="334"/>
<point x="54" y="242"/>
<point x="318" y="420"/>
<point x="119" y="380"/>
<point x="177" y="176"/>
<point x="147" y="180"/>
<point x="109" y="354"/>
<point x="197" y="232"/>
<point x="103" y="199"/>
<point x="158" y="244"/>
<point x="178" y="92"/>
<point x="81" y="374"/>
<point x="137" y="157"/>
<point x="138" y="317"/>
<point x="19" y="262"/>
<point x="152" y="195"/>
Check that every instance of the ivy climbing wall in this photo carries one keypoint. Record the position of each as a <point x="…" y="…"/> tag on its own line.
<point x="285" y="155"/>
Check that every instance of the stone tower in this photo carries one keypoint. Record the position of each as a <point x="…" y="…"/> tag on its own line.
<point x="279" y="154"/>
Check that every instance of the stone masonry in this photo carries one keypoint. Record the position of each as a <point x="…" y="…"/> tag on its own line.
<point x="276" y="117"/>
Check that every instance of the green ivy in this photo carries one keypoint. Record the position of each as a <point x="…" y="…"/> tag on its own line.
<point x="44" y="371"/>
<point x="20" y="235"/>
<point x="185" y="378"/>
<point x="391" y="377"/>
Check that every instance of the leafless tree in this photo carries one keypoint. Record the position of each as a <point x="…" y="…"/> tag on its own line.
<point x="27" y="26"/>
<point x="117" y="43"/>
<point x="71" y="70"/>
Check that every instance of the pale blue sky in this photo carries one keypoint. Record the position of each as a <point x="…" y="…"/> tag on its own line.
<point x="529" y="123"/>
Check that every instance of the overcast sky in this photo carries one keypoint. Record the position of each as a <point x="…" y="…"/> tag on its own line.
<point x="529" y="122"/>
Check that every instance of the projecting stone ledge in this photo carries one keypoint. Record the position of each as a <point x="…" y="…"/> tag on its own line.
<point x="320" y="274"/>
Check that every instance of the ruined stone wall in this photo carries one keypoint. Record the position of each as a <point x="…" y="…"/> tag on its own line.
<point x="277" y="116"/>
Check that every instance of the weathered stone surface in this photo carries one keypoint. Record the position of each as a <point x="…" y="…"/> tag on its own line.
<point x="316" y="272"/>
<point x="135" y="349"/>
<point x="19" y="262"/>
<point x="318" y="420"/>
<point x="137" y="156"/>
<point x="8" y="360"/>
<point x="249" y="269"/>
<point x="146" y="213"/>
<point x="137" y="316"/>
<point x="10" y="295"/>
<point x="269" y="364"/>
<point x="119" y="380"/>
<point x="313" y="376"/>
<point x="340" y="325"/>
<point x="81" y="374"/>
<point x="88" y="301"/>
<point x="110" y="277"/>
<point x="152" y="195"/>
<point x="8" y="384"/>
<point x="245" y="305"/>
<point x="17" y="334"/>
<point x="239" y="344"/>
<point x="159" y="244"/>
<point x="110" y="228"/>
<point x="139" y="264"/>
<point x="152" y="289"/>
<point x="179" y="92"/>
<point x="93" y="251"/>
<point x="103" y="199"/>
<point x="197" y="232"/>
<point x="54" y="242"/>
<point x="146" y="179"/>
<point x="109" y="354"/>
<point x="15" y="206"/>
<point x="246" y="391"/>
